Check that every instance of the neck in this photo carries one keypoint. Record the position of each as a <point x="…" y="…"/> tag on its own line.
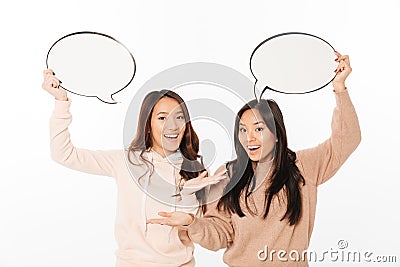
<point x="263" y="162"/>
<point x="162" y="152"/>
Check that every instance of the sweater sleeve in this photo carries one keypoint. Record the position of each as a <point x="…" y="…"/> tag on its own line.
<point x="214" y="229"/>
<point x="64" y="152"/>
<point x="321" y="162"/>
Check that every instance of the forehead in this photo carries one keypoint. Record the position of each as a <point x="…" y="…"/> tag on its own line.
<point x="168" y="105"/>
<point x="251" y="116"/>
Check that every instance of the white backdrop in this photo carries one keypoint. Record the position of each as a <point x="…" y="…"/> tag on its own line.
<point x="53" y="216"/>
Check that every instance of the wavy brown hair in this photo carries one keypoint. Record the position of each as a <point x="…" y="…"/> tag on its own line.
<point x="189" y="146"/>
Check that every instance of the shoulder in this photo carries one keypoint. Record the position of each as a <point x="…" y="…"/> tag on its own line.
<point x="134" y="156"/>
<point x="306" y="164"/>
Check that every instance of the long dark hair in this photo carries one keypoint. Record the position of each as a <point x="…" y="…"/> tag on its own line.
<point x="189" y="146"/>
<point x="285" y="174"/>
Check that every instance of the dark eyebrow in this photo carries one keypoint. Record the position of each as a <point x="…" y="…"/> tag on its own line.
<point x="257" y="122"/>
<point x="163" y="112"/>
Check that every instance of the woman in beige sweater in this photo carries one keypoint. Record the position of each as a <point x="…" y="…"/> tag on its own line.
<point x="268" y="203"/>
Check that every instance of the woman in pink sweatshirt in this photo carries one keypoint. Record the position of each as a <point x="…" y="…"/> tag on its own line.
<point x="149" y="175"/>
<point x="266" y="214"/>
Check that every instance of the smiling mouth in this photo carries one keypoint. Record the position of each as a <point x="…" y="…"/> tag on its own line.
<point x="171" y="136"/>
<point x="253" y="148"/>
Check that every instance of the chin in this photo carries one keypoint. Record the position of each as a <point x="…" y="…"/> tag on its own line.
<point x="254" y="157"/>
<point x="171" y="149"/>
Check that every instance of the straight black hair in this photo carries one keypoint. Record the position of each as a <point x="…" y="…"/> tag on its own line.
<point x="285" y="174"/>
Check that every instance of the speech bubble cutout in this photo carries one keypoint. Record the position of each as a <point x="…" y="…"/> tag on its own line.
<point x="292" y="63"/>
<point x="92" y="64"/>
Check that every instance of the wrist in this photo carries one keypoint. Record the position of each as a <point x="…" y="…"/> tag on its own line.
<point x="61" y="98"/>
<point x="339" y="87"/>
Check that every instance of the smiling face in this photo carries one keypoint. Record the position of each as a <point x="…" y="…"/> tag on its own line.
<point x="167" y="126"/>
<point x="255" y="137"/>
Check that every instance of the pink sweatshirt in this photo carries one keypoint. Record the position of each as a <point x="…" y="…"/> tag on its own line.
<point x="246" y="238"/>
<point x="138" y="244"/>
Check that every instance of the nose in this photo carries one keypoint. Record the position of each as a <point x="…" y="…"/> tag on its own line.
<point x="171" y="124"/>
<point x="251" y="136"/>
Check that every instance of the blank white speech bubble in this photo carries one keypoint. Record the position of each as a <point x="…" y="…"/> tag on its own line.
<point x="92" y="64"/>
<point x="292" y="63"/>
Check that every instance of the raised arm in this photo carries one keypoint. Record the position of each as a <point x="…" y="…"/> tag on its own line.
<point x="61" y="147"/>
<point x="323" y="161"/>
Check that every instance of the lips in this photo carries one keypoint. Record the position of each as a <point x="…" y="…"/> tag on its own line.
<point x="253" y="149"/>
<point x="171" y="137"/>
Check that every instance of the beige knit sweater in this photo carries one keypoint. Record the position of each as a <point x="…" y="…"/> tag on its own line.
<point x="250" y="240"/>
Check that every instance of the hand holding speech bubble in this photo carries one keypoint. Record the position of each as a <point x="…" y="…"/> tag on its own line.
<point x="92" y="64"/>
<point x="292" y="63"/>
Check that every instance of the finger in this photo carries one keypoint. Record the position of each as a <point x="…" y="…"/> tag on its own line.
<point x="338" y="55"/>
<point x="343" y="65"/>
<point x="156" y="221"/>
<point x="221" y="173"/>
<point x="165" y="214"/>
<point x="48" y="72"/>
<point x="343" y="58"/>
<point x="203" y="174"/>
<point x="340" y="66"/>
<point x="51" y="78"/>
<point x="346" y="59"/>
<point x="222" y="177"/>
<point x="50" y="84"/>
<point x="217" y="178"/>
<point x="53" y="82"/>
<point x="214" y="180"/>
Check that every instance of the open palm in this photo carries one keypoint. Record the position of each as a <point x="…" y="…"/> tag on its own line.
<point x="176" y="218"/>
<point x="193" y="185"/>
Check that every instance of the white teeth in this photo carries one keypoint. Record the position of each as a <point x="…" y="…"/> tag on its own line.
<point x="171" y="135"/>
<point x="253" y="147"/>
